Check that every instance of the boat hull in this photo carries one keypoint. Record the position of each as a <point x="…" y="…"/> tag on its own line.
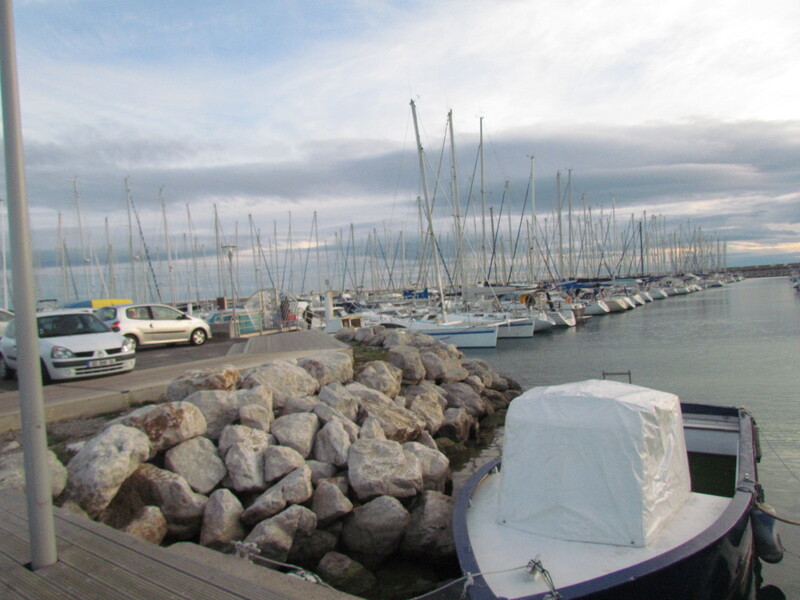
<point x="717" y="562"/>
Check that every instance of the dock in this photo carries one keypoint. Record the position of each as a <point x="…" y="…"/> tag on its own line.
<point x="96" y="562"/>
<point x="91" y="397"/>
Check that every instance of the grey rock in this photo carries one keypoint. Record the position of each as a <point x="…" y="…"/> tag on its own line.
<point x="373" y="531"/>
<point x="329" y="503"/>
<point x="198" y="461"/>
<point x="95" y="474"/>
<point x="332" y="444"/>
<point x="429" y="535"/>
<point x="279" y="461"/>
<point x="224" y="378"/>
<point x="221" y="520"/>
<point x="296" y="431"/>
<point x="328" y="367"/>
<point x="377" y="467"/>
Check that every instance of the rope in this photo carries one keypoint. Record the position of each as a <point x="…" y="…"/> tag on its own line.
<point x="249" y="551"/>
<point x="771" y="512"/>
<point x="780" y="458"/>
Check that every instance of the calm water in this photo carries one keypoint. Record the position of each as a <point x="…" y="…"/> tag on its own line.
<point x="737" y="346"/>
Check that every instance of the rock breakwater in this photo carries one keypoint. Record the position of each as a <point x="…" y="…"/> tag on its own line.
<point x="315" y="462"/>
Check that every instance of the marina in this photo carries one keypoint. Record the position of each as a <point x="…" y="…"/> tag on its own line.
<point x="715" y="347"/>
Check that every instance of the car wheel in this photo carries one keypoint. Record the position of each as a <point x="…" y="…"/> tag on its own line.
<point x="135" y="341"/>
<point x="198" y="337"/>
<point x="45" y="374"/>
<point x="8" y="372"/>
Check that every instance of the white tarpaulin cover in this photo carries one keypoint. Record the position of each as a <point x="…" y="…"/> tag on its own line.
<point x="593" y="461"/>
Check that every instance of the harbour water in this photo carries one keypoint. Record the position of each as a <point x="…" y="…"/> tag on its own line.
<point x="737" y="346"/>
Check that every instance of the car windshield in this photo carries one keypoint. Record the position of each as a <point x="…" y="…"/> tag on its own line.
<point x="74" y="324"/>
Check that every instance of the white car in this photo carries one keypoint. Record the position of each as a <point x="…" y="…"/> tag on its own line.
<point x="147" y="324"/>
<point x="5" y="317"/>
<point x="72" y="344"/>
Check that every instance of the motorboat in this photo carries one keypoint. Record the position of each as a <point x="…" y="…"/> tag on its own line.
<point x="607" y="490"/>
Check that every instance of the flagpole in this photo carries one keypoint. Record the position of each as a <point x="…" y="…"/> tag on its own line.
<point x="31" y="399"/>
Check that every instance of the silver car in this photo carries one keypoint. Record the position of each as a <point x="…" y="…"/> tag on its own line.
<point x="147" y="324"/>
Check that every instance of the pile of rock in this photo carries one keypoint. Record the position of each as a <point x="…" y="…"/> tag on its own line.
<point x="312" y="463"/>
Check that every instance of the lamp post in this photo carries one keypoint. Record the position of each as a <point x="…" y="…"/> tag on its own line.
<point x="41" y="523"/>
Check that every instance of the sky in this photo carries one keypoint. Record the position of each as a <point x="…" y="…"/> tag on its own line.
<point x="269" y="112"/>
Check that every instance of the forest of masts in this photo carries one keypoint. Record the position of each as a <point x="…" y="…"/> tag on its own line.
<point x="457" y="244"/>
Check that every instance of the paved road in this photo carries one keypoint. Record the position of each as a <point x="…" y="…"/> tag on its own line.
<point x="162" y="355"/>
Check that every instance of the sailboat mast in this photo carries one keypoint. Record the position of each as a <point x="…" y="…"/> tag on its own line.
<point x="436" y="268"/>
<point x="170" y="268"/>
<point x="485" y="274"/>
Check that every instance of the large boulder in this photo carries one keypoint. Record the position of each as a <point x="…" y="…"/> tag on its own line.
<point x="427" y="406"/>
<point x="441" y="367"/>
<point x="258" y="394"/>
<point x="336" y="396"/>
<point x="458" y="425"/>
<point x="372" y="532"/>
<point x="479" y="368"/>
<point x="296" y="405"/>
<point x="198" y="461"/>
<point x="181" y="506"/>
<point x="327" y="414"/>
<point x="381" y="376"/>
<point x="398" y="423"/>
<point x="408" y="360"/>
<point x="274" y="536"/>
<point x="332" y="443"/>
<point x="225" y="378"/>
<point x="221" y="520"/>
<point x="429" y="535"/>
<point x="380" y="467"/>
<point x="256" y="416"/>
<point x="328" y="367"/>
<point x="219" y="407"/>
<point x="96" y="472"/>
<point x="425" y="387"/>
<point x="12" y="472"/>
<point x="279" y="461"/>
<point x="168" y="424"/>
<point x="329" y="503"/>
<point x="346" y="574"/>
<point x="243" y="451"/>
<point x="461" y="395"/>
<point x="286" y="380"/>
<point x="295" y="488"/>
<point x="297" y="431"/>
<point x="148" y="524"/>
<point x="435" y="466"/>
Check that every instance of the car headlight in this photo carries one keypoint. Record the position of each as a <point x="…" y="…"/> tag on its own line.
<point x="61" y="352"/>
<point x="127" y="345"/>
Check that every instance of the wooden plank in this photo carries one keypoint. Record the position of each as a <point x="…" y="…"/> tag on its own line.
<point x="98" y="562"/>
<point x="163" y="567"/>
<point x="31" y="585"/>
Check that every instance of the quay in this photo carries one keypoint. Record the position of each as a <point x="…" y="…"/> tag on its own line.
<point x="90" y="397"/>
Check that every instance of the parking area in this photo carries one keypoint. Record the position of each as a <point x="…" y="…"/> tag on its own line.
<point x="148" y="357"/>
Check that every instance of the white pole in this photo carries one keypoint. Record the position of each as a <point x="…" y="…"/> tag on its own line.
<point x="31" y="399"/>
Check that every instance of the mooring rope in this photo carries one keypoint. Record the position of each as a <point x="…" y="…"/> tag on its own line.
<point x="249" y="551"/>
<point x="770" y="510"/>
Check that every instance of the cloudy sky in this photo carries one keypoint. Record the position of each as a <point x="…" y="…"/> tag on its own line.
<point x="262" y="108"/>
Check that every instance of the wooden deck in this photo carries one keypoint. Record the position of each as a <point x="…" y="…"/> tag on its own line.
<point x="98" y="562"/>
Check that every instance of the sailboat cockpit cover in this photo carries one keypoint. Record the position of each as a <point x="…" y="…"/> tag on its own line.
<point x="593" y="461"/>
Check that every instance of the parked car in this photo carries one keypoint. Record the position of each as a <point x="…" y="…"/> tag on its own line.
<point x="147" y="324"/>
<point x="5" y="317"/>
<point x="72" y="344"/>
